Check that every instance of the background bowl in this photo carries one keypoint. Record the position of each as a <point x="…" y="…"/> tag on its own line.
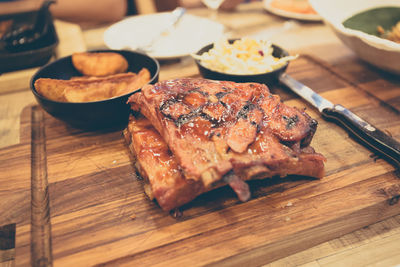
<point x="109" y="113"/>
<point x="377" y="51"/>
<point x="268" y="78"/>
<point x="35" y="55"/>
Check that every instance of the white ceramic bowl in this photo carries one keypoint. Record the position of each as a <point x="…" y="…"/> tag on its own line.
<point x="377" y="51"/>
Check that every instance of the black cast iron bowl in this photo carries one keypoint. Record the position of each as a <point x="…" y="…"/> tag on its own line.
<point x="109" y="113"/>
<point x="267" y="78"/>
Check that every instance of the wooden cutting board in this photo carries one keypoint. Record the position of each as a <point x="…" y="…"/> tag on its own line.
<point x="86" y="206"/>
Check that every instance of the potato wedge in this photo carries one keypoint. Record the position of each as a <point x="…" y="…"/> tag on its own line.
<point x="52" y="89"/>
<point x="93" y="89"/>
<point x="99" y="64"/>
<point x="142" y="78"/>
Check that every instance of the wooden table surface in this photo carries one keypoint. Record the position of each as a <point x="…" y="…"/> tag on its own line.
<point x="376" y="245"/>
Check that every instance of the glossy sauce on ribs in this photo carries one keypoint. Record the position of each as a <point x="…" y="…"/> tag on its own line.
<point x="226" y="132"/>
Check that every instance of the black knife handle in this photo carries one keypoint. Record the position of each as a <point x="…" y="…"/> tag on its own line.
<point x="365" y="132"/>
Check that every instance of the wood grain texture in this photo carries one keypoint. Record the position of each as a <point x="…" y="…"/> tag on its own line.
<point x="40" y="210"/>
<point x="360" y="248"/>
<point x="100" y="214"/>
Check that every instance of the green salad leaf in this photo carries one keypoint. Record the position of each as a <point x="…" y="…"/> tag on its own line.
<point x="369" y="20"/>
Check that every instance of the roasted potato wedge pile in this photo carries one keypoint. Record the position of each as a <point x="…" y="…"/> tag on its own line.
<point x="103" y="78"/>
<point x="99" y="64"/>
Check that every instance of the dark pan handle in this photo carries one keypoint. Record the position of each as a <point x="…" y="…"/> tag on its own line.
<point x="365" y="132"/>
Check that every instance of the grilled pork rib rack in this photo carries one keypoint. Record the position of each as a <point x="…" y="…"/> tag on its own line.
<point x="192" y="135"/>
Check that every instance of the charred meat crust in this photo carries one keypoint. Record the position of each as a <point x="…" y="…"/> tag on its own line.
<point x="214" y="128"/>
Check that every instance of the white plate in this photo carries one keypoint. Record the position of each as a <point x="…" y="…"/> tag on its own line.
<point x="291" y="15"/>
<point x="189" y="35"/>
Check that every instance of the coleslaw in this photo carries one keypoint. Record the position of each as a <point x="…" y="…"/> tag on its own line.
<point x="242" y="57"/>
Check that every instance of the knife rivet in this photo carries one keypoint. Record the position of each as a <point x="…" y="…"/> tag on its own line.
<point x="369" y="128"/>
<point x="339" y="107"/>
<point x="394" y="200"/>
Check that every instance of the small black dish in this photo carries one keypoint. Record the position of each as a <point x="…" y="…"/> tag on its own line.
<point x="267" y="78"/>
<point x="35" y="54"/>
<point x="109" y="113"/>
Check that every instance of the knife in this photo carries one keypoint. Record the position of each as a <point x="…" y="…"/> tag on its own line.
<point x="368" y="134"/>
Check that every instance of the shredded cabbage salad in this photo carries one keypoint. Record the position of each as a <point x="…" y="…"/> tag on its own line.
<point x="244" y="56"/>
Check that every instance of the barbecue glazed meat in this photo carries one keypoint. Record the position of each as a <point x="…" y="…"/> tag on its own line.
<point x="164" y="179"/>
<point x="225" y="132"/>
<point x="157" y="166"/>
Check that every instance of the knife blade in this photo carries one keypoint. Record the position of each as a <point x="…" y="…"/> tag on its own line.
<point x="365" y="132"/>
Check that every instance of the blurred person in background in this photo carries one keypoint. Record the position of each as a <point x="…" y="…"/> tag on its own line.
<point x="114" y="10"/>
<point x="87" y="11"/>
<point x="101" y="11"/>
<point x="78" y="11"/>
<point x="228" y="5"/>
